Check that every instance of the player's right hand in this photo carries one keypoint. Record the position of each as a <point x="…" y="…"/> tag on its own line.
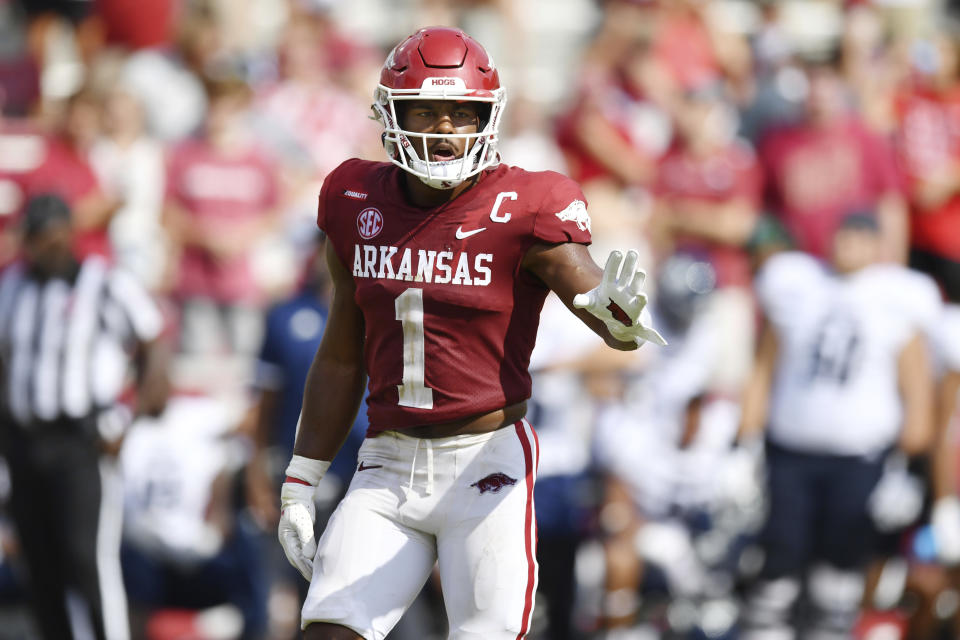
<point x="298" y="512"/>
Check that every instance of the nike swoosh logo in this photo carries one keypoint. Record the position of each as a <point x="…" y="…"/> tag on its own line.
<point x="461" y="234"/>
<point x="369" y="466"/>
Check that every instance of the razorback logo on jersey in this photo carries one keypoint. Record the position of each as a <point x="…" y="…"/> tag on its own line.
<point x="576" y="212"/>
<point x="424" y="265"/>
<point x="494" y="482"/>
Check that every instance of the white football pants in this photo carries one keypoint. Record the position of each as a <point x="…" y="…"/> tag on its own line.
<point x="464" y="503"/>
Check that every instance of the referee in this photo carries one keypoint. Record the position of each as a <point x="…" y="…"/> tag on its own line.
<point x="69" y="331"/>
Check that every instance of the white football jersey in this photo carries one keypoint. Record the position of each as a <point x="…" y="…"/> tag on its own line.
<point x="835" y="386"/>
<point x="169" y="465"/>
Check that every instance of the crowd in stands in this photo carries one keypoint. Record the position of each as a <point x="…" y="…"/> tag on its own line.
<point x="190" y="139"/>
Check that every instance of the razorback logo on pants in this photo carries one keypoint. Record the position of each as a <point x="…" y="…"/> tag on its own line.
<point x="494" y="482"/>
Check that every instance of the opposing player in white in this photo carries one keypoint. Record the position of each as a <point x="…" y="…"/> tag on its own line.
<point x="842" y="376"/>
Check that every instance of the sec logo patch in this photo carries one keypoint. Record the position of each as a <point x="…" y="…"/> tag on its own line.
<point x="369" y="223"/>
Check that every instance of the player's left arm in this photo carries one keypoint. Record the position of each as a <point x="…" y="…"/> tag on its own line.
<point x="613" y="303"/>
<point x="917" y="392"/>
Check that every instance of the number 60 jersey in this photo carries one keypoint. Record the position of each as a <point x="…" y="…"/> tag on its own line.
<point x="451" y="316"/>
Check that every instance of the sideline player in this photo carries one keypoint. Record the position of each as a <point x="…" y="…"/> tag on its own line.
<point x="441" y="262"/>
<point x="841" y="378"/>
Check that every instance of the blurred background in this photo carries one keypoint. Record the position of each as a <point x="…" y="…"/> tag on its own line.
<point x="191" y="137"/>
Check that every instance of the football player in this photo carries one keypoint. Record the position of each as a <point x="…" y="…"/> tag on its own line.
<point x="841" y="378"/>
<point x="441" y="260"/>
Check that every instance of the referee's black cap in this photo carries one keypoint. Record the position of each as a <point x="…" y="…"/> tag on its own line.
<point x="42" y="212"/>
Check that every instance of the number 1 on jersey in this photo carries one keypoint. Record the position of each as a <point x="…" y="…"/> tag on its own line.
<point x="413" y="392"/>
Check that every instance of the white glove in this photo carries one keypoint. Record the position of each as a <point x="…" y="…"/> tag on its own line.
<point x="619" y="300"/>
<point x="945" y="520"/>
<point x="741" y="479"/>
<point x="897" y="499"/>
<point x="297" y="512"/>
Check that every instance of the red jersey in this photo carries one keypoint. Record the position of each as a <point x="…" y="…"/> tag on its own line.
<point x="929" y="144"/>
<point x="68" y="173"/>
<point x="451" y="316"/>
<point x="816" y="176"/>
<point x="684" y="46"/>
<point x="636" y="120"/>
<point x="219" y="192"/>
<point x="731" y="173"/>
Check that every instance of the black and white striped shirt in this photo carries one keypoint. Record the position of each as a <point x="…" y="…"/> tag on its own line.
<point x="65" y="345"/>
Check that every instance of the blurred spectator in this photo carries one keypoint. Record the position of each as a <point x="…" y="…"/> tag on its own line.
<point x="612" y="137"/>
<point x="622" y="22"/>
<point x="773" y="94"/>
<point x="708" y="194"/>
<point x="841" y="377"/>
<point x="829" y="165"/>
<point x="148" y="23"/>
<point x="19" y="71"/>
<point x="929" y="115"/>
<point x="870" y="66"/>
<point x="68" y="332"/>
<point x="529" y="143"/>
<point x="50" y="20"/>
<point x="684" y="44"/>
<point x="186" y="545"/>
<point x="22" y="150"/>
<point x="222" y="195"/>
<point x="167" y="81"/>
<point x="130" y="166"/>
<point x="66" y="171"/>
<point x="309" y="120"/>
<point x="618" y="125"/>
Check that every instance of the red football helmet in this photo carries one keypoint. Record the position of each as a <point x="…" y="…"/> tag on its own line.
<point x="440" y="63"/>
